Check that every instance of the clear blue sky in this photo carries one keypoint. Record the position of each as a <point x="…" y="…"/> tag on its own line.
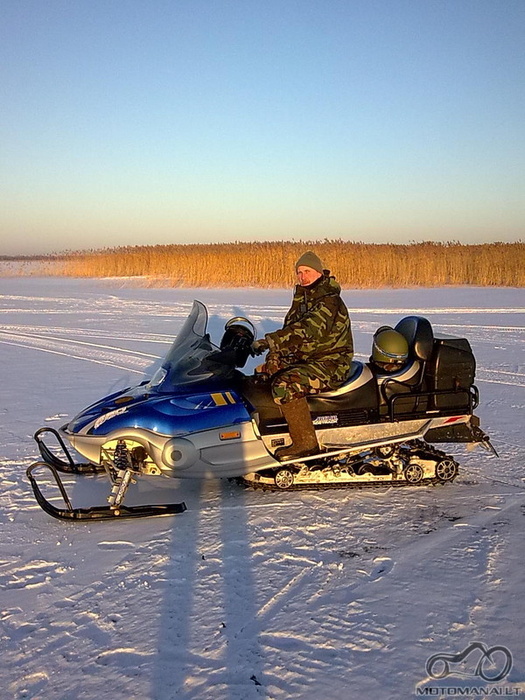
<point x="130" y="122"/>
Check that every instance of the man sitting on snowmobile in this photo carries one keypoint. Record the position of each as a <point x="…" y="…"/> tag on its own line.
<point x="312" y="353"/>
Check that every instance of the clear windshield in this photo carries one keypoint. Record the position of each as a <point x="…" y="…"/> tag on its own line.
<point x="190" y="358"/>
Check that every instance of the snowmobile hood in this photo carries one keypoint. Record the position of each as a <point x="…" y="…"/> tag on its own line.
<point x="164" y="415"/>
<point x="112" y="403"/>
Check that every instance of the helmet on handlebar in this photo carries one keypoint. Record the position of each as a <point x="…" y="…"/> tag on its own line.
<point x="239" y="334"/>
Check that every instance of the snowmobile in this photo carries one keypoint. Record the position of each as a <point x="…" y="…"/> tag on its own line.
<point x="199" y="416"/>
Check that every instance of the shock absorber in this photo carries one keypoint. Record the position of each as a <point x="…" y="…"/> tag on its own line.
<point x="123" y="478"/>
<point x="121" y="456"/>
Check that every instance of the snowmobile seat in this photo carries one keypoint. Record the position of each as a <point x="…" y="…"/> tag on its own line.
<point x="410" y="379"/>
<point x="355" y="401"/>
<point x="358" y="375"/>
<point x="408" y="375"/>
<point x="419" y="336"/>
<point x="407" y="381"/>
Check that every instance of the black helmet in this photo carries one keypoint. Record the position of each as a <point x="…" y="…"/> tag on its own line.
<point x="389" y="347"/>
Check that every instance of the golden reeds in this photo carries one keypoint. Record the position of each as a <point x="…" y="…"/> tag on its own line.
<point x="271" y="264"/>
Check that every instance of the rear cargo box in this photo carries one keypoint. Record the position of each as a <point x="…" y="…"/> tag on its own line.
<point x="451" y="367"/>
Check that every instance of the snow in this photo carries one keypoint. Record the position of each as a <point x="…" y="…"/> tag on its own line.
<point x="335" y="594"/>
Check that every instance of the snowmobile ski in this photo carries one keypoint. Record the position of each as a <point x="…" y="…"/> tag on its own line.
<point x="109" y="512"/>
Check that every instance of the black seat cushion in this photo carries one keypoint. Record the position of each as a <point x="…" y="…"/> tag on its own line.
<point x="419" y="336"/>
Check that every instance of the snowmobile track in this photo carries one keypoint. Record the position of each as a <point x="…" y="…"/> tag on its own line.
<point x="415" y="445"/>
<point x="258" y="486"/>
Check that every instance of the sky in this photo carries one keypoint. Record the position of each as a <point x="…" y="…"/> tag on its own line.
<point x="143" y="122"/>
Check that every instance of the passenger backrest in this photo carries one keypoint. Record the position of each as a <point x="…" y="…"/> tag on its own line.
<point x="419" y="336"/>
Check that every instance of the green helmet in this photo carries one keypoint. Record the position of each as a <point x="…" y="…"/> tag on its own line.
<point x="389" y="347"/>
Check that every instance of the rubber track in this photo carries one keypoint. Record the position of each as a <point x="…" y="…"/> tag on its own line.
<point x="346" y="485"/>
<point x="417" y="444"/>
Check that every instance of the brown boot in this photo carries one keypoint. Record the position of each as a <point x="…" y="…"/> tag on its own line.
<point x="302" y="431"/>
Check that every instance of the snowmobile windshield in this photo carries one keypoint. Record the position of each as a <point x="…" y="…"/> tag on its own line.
<point x="191" y="357"/>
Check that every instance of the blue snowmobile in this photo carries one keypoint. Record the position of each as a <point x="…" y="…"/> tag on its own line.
<point x="199" y="416"/>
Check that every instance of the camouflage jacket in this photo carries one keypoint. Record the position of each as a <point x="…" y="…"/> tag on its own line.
<point x="316" y="328"/>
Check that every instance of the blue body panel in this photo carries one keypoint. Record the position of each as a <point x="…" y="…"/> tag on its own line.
<point x="170" y="415"/>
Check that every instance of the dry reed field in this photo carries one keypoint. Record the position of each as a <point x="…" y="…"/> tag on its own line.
<point x="271" y="264"/>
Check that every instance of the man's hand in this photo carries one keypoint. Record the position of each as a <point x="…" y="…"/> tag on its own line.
<point x="259" y="346"/>
<point x="261" y="375"/>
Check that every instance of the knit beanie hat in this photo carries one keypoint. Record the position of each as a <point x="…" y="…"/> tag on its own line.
<point x="310" y="259"/>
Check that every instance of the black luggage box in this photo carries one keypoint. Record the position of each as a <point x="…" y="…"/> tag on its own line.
<point x="451" y="368"/>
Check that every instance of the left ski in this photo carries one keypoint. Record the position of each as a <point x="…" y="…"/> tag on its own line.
<point x="95" y="512"/>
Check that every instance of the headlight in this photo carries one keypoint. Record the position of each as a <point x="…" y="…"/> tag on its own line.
<point x="179" y="453"/>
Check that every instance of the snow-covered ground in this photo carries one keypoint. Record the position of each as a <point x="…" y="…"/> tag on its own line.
<point x="328" y="595"/>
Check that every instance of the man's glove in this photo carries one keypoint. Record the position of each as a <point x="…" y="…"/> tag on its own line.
<point x="259" y="346"/>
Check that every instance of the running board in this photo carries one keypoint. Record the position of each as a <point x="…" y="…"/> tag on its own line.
<point x="95" y="512"/>
<point x="333" y="450"/>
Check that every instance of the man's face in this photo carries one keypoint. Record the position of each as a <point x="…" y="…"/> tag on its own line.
<point x="307" y="276"/>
